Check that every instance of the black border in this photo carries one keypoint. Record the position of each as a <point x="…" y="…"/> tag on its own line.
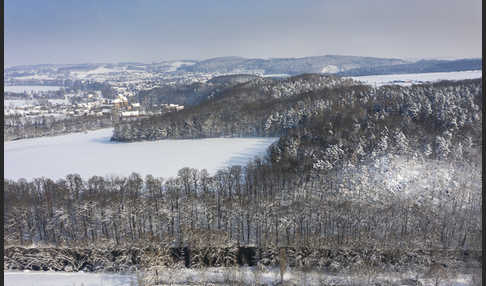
<point x="3" y="119"/>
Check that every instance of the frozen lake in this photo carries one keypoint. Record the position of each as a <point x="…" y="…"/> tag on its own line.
<point x="92" y="153"/>
<point x="67" y="279"/>
<point x="27" y="88"/>
<point x="416" y="78"/>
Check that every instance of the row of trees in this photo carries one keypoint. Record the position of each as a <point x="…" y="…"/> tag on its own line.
<point x="261" y="204"/>
<point x="20" y="127"/>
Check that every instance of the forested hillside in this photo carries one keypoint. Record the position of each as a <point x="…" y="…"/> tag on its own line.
<point x="291" y="66"/>
<point x="260" y="204"/>
<point x="331" y="108"/>
<point x="392" y="173"/>
<point x="189" y="95"/>
<point x="354" y="165"/>
<point x="238" y="111"/>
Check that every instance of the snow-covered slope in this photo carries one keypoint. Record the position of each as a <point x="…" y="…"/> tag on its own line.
<point x="418" y="179"/>
<point x="96" y="71"/>
<point x="221" y="276"/>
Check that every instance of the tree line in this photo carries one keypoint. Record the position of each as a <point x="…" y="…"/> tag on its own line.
<point x="261" y="204"/>
<point x="21" y="127"/>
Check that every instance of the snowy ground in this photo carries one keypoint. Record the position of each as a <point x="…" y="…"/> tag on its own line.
<point x="66" y="279"/>
<point x="96" y="71"/>
<point x="221" y="276"/>
<point x="92" y="153"/>
<point x="276" y="75"/>
<point x="414" y="178"/>
<point x="416" y="78"/>
<point x="271" y="276"/>
<point x="173" y="66"/>
<point x="26" y="88"/>
<point x="12" y="103"/>
<point x="35" y="76"/>
<point x="330" y="69"/>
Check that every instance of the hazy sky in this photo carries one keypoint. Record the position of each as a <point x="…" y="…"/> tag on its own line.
<point x="74" y="31"/>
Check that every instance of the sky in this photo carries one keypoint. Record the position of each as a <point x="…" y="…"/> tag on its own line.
<point x="88" y="31"/>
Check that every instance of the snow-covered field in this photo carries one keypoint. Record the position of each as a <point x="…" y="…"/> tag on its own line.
<point x="276" y="75"/>
<point x="271" y="276"/>
<point x="330" y="69"/>
<point x="91" y="72"/>
<point x="27" y="88"/>
<point x="219" y="276"/>
<point x="35" y="77"/>
<point x="173" y="66"/>
<point x="12" y="103"/>
<point x="416" y="78"/>
<point x="67" y="279"/>
<point x="92" y="153"/>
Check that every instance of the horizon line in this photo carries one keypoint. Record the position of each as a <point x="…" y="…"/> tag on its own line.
<point x="410" y="59"/>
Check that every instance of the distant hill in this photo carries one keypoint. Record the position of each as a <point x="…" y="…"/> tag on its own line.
<point x="291" y="66"/>
<point x="422" y="66"/>
<point x="327" y="64"/>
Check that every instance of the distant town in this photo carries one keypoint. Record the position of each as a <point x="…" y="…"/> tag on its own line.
<point x="64" y="91"/>
<point x="86" y="104"/>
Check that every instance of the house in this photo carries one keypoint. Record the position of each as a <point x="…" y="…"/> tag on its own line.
<point x="130" y="113"/>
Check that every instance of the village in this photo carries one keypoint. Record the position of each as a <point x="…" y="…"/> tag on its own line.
<point x="67" y="91"/>
<point x="121" y="107"/>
